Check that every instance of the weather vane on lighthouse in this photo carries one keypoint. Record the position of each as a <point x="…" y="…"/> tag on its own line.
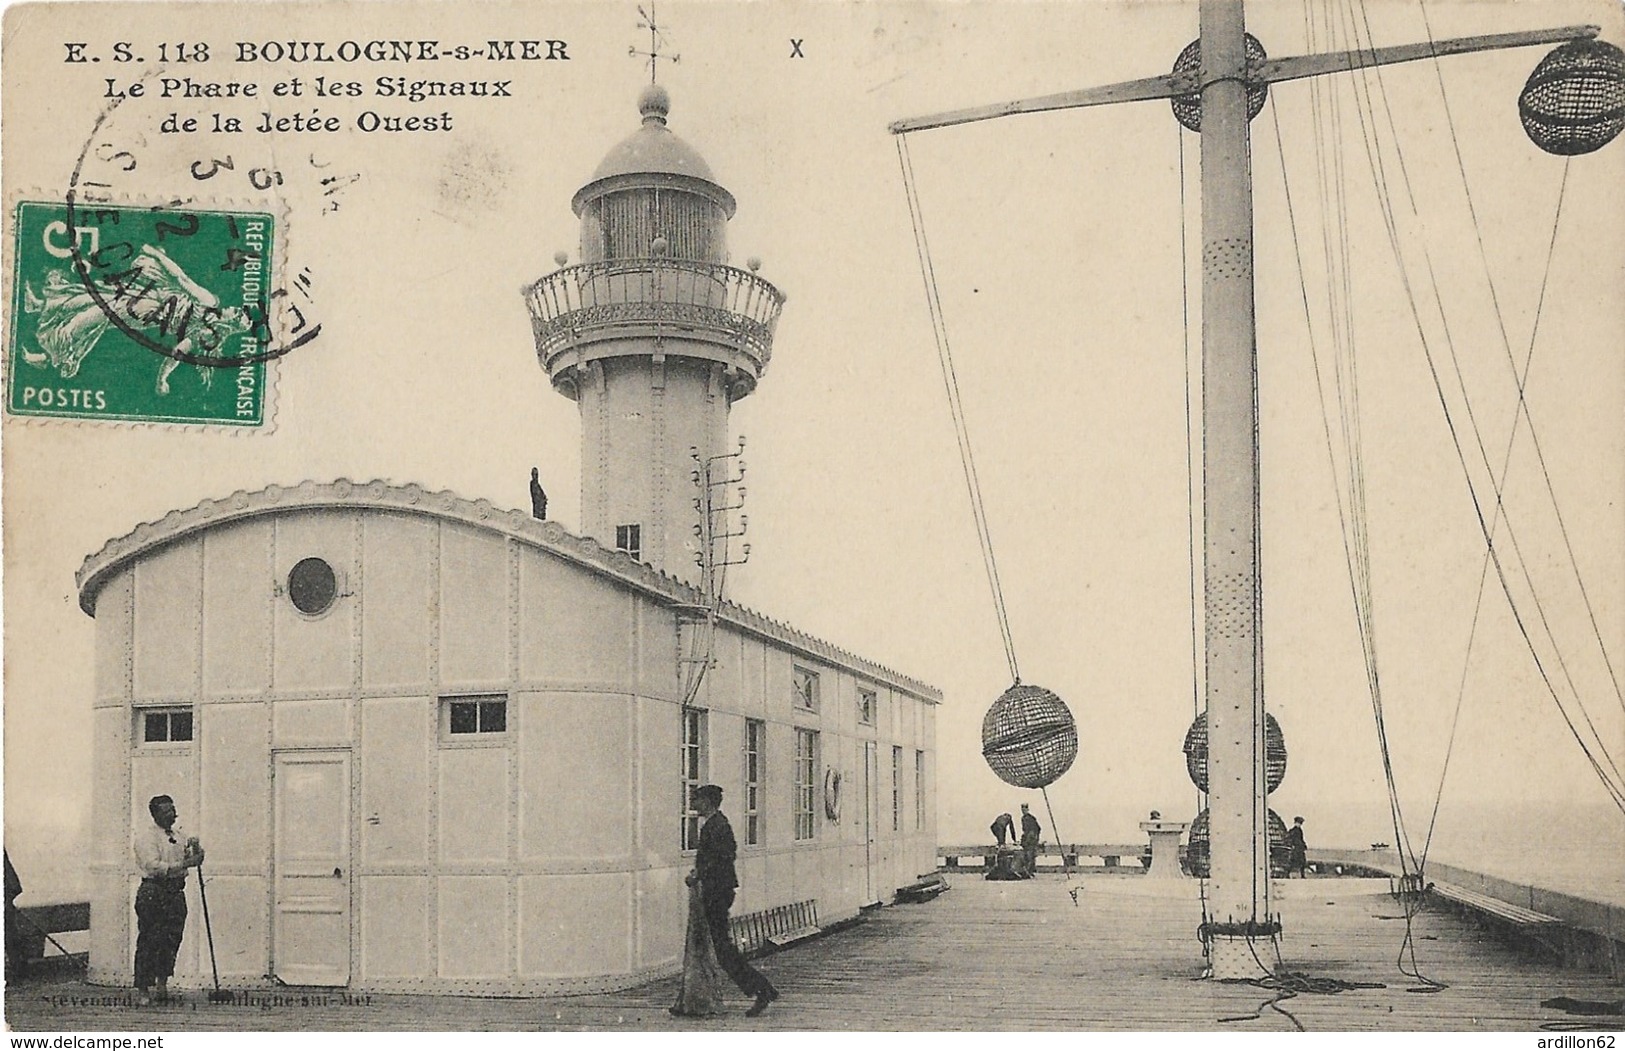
<point x="646" y="20"/>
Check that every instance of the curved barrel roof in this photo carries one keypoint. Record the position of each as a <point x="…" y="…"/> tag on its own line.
<point x="120" y="552"/>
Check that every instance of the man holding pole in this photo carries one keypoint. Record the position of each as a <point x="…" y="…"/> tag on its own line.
<point x="164" y="853"/>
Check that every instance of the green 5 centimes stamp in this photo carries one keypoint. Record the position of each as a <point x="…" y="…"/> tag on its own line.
<point x="134" y="313"/>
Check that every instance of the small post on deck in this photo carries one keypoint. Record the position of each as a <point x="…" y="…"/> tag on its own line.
<point x="1165" y="837"/>
<point x="1237" y="888"/>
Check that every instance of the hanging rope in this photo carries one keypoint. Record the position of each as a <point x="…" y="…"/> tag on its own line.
<point x="1352" y="515"/>
<point x="1589" y="749"/>
<point x="1484" y="569"/>
<point x="1191" y="540"/>
<point x="1066" y="864"/>
<point x="1522" y="376"/>
<point x="950" y="380"/>
<point x="1333" y="182"/>
<point x="1521" y="412"/>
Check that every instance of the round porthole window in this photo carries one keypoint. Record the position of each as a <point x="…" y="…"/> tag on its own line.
<point x="312" y="586"/>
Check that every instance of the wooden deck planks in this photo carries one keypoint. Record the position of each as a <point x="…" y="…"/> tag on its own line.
<point x="996" y="956"/>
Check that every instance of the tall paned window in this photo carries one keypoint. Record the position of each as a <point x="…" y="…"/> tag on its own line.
<point x="806" y="782"/>
<point x="693" y="773"/>
<point x="919" y="791"/>
<point x="755" y="747"/>
<point x="896" y="789"/>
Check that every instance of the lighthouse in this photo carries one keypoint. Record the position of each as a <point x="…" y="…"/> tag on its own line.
<point x="654" y="335"/>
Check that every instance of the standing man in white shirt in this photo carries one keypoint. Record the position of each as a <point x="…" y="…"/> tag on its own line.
<point x="164" y="853"/>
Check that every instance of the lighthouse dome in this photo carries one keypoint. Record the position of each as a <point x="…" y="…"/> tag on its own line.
<point x="654" y="158"/>
<point x="653" y="187"/>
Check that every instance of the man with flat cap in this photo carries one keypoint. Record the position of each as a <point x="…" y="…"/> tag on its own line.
<point x="164" y="853"/>
<point x="714" y="868"/>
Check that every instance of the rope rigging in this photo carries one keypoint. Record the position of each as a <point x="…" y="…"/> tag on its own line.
<point x="1484" y="569"/>
<point x="1371" y="133"/>
<point x="1190" y="463"/>
<point x="1338" y="390"/>
<point x="1351" y="507"/>
<point x="950" y="381"/>
<point x="1521" y="375"/>
<point x="1029" y="738"/>
<point x="1352" y="515"/>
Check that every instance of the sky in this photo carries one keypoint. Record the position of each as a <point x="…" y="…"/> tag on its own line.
<point x="1056" y="241"/>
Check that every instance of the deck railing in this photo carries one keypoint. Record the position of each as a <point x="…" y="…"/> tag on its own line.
<point x="35" y="924"/>
<point x="684" y="294"/>
<point x="1052" y="857"/>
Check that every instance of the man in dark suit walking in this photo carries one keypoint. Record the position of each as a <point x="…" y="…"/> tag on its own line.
<point x="714" y="868"/>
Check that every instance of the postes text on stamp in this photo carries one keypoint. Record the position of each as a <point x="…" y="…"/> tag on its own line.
<point x="136" y="313"/>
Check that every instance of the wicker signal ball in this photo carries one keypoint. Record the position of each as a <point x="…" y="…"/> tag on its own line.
<point x="1198" y="849"/>
<point x="1029" y="737"/>
<point x="1274" y="753"/>
<point x="1188" y="108"/>
<point x="1574" y="101"/>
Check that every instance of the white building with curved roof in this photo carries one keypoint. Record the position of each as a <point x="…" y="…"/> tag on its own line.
<point x="432" y="745"/>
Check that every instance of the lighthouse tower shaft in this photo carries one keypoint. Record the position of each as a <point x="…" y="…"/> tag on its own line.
<point x="655" y="336"/>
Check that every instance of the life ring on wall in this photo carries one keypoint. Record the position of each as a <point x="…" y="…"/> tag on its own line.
<point x="832" y="794"/>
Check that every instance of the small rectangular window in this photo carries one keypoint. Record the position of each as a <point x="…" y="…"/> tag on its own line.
<point x="805" y="684"/>
<point x="473" y="717"/>
<point x="866" y="707"/>
<point x="629" y="538"/>
<point x="755" y="735"/>
<point x="166" y="725"/>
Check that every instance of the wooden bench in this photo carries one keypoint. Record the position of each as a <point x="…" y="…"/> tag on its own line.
<point x="922" y="891"/>
<point x="1501" y="911"/>
<point x="1524" y="925"/>
<point x="776" y="928"/>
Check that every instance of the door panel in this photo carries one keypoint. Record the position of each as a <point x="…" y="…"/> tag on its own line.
<point x="871" y="854"/>
<point x="311" y="926"/>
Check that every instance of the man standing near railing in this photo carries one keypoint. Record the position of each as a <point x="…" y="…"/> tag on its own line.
<point x="1031" y="831"/>
<point x="1297" y="850"/>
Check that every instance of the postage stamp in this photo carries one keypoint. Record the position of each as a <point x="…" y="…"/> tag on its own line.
<point x="125" y="312"/>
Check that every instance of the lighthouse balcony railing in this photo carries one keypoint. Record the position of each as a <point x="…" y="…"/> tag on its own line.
<point x="684" y="294"/>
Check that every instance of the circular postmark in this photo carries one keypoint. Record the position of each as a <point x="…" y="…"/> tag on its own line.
<point x="196" y="283"/>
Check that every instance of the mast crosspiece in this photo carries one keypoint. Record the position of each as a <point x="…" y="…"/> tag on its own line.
<point x="1238" y="888"/>
<point x="1271" y="71"/>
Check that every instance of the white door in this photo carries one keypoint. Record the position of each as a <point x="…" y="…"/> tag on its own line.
<point x="310" y="934"/>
